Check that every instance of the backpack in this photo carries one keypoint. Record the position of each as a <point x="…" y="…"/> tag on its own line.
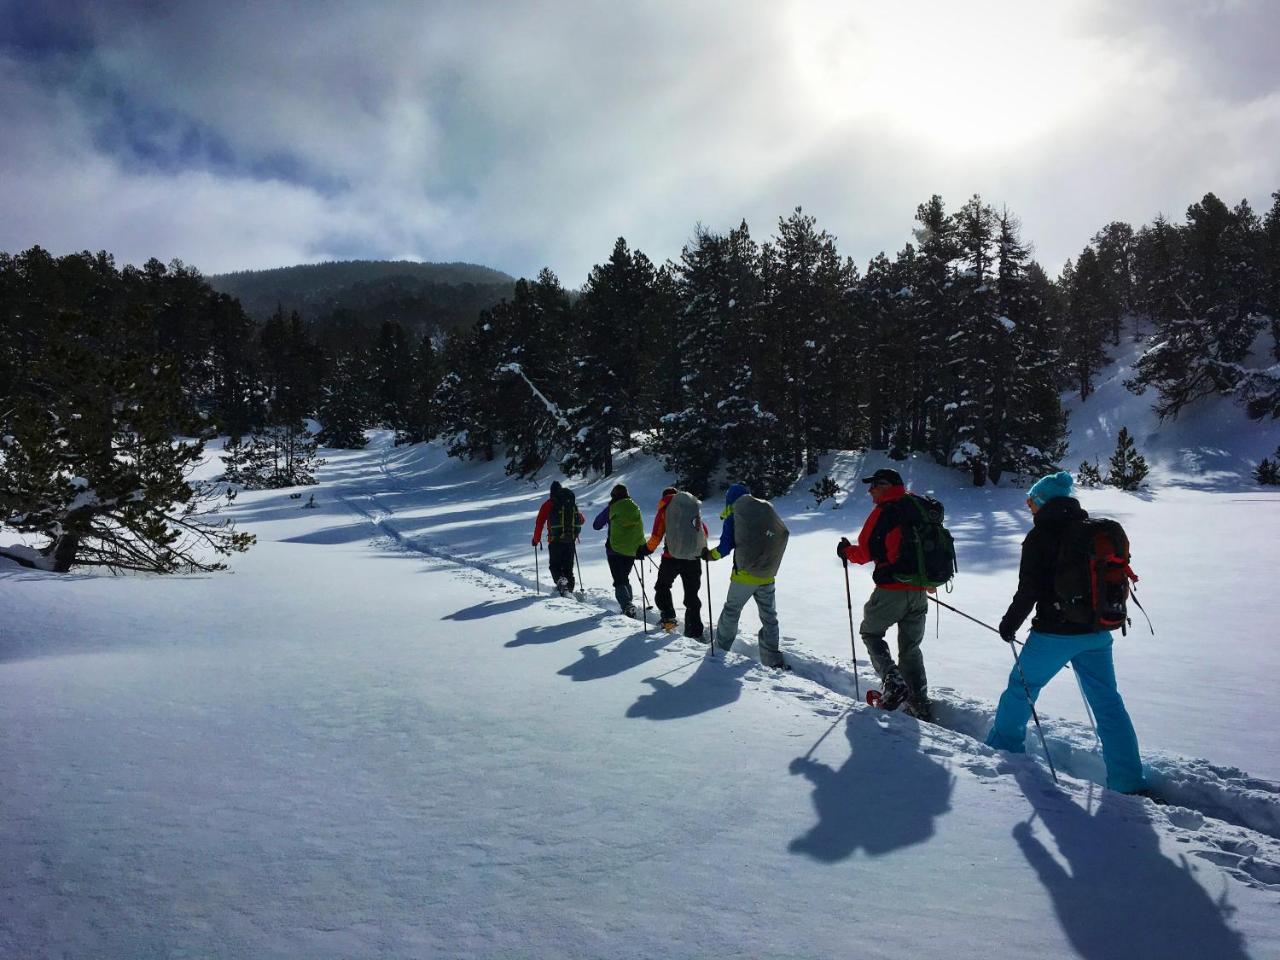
<point x="626" y="527"/>
<point x="927" y="552"/>
<point x="760" y="537"/>
<point x="1092" y="575"/>
<point x="685" y="537"/>
<point x="563" y="524"/>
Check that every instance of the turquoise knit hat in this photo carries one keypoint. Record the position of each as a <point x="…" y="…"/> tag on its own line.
<point x="1060" y="484"/>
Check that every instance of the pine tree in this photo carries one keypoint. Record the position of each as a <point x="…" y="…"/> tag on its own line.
<point x="343" y="401"/>
<point x="936" y="326"/>
<point x="1267" y="472"/>
<point x="1209" y="314"/>
<point x="89" y="460"/>
<point x="806" y="301"/>
<point x="614" y="321"/>
<point x="1084" y="353"/>
<point x="1114" y="245"/>
<point x="1128" y="467"/>
<point x="1088" y="475"/>
<point x="420" y="419"/>
<point x="391" y="371"/>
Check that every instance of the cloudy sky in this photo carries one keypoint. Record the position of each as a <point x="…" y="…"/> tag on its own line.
<point x="238" y="135"/>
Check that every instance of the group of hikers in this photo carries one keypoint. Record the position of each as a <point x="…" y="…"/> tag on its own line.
<point x="1074" y="575"/>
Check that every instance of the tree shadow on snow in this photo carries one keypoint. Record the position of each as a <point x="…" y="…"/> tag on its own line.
<point x="1118" y="895"/>
<point x="556" y="631"/>
<point x="712" y="684"/>
<point x="885" y="796"/>
<point x="492" y="608"/>
<point x="634" y="650"/>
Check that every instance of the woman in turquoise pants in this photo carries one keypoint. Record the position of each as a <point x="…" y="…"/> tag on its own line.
<point x="1055" y="641"/>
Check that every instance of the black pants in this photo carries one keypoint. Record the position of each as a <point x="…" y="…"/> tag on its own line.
<point x="560" y="560"/>
<point x="690" y="574"/>
<point x="620" y="570"/>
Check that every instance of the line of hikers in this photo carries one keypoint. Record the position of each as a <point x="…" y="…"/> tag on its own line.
<point x="1074" y="574"/>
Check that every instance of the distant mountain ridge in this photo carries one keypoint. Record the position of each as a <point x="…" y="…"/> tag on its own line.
<point x="424" y="297"/>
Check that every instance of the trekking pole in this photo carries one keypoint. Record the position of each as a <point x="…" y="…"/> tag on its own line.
<point x="1088" y="710"/>
<point x="644" y="599"/>
<point x="1026" y="689"/>
<point x="537" y="574"/>
<point x="853" y="644"/>
<point x="962" y="613"/>
<point x="581" y="587"/>
<point x="711" y="614"/>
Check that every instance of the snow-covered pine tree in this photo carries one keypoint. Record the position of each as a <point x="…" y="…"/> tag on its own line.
<point x="1088" y="475"/>
<point x="611" y="344"/>
<point x="89" y="459"/>
<point x="466" y="400"/>
<point x="1267" y="473"/>
<point x="344" y="397"/>
<point x="936" y="324"/>
<point x="806" y="302"/>
<point x="1028" y="423"/>
<point x="1084" y="285"/>
<point x="890" y="375"/>
<point x="390" y="371"/>
<point x="1128" y="466"/>
<point x="1209" y="312"/>
<point x="419" y="420"/>
<point x="717" y="284"/>
<point x="535" y="377"/>
<point x="981" y="354"/>
<point x="1114" y="245"/>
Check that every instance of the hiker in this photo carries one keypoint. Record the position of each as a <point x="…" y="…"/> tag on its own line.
<point x="560" y="514"/>
<point x="891" y="602"/>
<point x="626" y="534"/>
<point x="753" y="528"/>
<point x="1058" y="638"/>
<point x="678" y="526"/>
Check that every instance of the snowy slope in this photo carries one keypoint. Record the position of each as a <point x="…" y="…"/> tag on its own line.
<point x="371" y="739"/>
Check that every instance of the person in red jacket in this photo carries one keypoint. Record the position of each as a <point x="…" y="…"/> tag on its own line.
<point x="689" y="572"/>
<point x="563" y="521"/>
<point x="891" y="602"/>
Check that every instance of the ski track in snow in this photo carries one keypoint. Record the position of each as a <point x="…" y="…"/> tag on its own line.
<point x="1235" y="817"/>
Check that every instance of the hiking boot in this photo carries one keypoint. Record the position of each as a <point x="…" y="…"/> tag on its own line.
<point x="893" y="690"/>
<point x="669" y="625"/>
<point x="781" y="665"/>
<point x="630" y="611"/>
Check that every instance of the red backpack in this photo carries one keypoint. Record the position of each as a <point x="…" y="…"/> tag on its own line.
<point x="1092" y="577"/>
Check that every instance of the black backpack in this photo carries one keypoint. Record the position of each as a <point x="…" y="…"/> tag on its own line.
<point x="563" y="524"/>
<point x="927" y="553"/>
<point x="1092" y="575"/>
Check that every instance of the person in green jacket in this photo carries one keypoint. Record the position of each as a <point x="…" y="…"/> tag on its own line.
<point x="621" y="516"/>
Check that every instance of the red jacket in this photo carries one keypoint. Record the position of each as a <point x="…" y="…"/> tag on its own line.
<point x="861" y="552"/>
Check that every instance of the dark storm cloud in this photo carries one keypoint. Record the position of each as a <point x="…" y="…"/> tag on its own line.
<point x="519" y="134"/>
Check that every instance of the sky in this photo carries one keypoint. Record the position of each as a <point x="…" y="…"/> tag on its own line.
<point x="239" y="135"/>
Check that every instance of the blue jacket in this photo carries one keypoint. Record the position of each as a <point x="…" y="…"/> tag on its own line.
<point x="727" y="542"/>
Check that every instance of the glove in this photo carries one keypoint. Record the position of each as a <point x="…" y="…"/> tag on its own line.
<point x="1008" y="635"/>
<point x="705" y="554"/>
<point x="534" y="541"/>
<point x="842" y="549"/>
<point x="642" y="551"/>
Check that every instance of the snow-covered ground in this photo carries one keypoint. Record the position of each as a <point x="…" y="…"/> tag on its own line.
<point x="372" y="739"/>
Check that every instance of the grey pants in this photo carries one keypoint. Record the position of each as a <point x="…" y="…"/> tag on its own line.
<point x="908" y="609"/>
<point x="727" y="625"/>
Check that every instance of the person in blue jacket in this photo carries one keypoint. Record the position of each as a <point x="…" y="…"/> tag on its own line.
<point x="744" y="585"/>
<point x="1055" y="641"/>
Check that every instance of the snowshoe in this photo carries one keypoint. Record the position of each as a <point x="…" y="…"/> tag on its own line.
<point x="920" y="709"/>
<point x="631" y="611"/>
<point x="562" y="587"/>
<point x="669" y="626"/>
<point x="893" y="693"/>
<point x="782" y="666"/>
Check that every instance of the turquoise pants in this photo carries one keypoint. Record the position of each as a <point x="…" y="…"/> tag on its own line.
<point x="1090" y="656"/>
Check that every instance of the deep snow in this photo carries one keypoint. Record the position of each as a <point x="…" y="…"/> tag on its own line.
<point x="372" y="739"/>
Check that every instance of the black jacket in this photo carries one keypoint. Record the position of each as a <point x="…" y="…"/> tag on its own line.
<point x="1035" y="574"/>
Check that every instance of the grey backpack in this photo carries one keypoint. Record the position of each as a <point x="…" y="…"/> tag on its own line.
<point x="685" y="537"/>
<point x="760" y="537"/>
